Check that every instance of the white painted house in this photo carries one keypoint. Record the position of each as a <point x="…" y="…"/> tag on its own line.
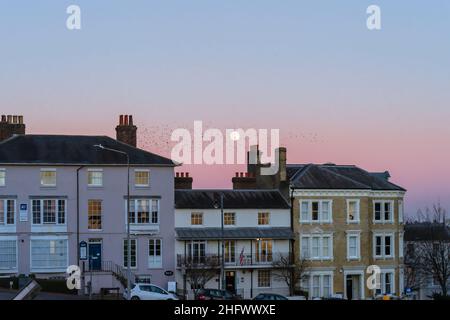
<point x="256" y="233"/>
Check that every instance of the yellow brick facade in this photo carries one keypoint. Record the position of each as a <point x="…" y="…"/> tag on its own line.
<point x="340" y="265"/>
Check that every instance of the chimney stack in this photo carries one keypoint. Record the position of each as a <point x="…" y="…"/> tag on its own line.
<point x="183" y="181"/>
<point x="11" y="125"/>
<point x="126" y="132"/>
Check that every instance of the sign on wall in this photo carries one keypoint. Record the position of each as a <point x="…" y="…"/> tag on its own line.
<point x="83" y="250"/>
<point x="23" y="213"/>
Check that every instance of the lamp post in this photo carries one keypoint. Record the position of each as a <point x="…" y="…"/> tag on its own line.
<point x="128" y="216"/>
<point x="222" y="264"/>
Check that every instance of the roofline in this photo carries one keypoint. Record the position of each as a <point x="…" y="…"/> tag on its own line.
<point x="34" y="164"/>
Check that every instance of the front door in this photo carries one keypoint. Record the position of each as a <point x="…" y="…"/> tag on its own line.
<point x="230" y="281"/>
<point x="95" y="256"/>
<point x="353" y="287"/>
<point x="349" y="287"/>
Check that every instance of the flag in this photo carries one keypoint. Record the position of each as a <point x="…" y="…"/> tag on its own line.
<point x="241" y="257"/>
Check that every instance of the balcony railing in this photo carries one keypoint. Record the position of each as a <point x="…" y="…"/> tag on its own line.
<point x="238" y="260"/>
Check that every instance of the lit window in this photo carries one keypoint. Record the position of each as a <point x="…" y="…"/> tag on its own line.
<point x="95" y="178"/>
<point x="141" y="178"/>
<point x="48" y="177"/>
<point x="264" y="252"/>
<point x="2" y="177"/>
<point x="7" y="212"/>
<point x="264" y="278"/>
<point x="49" y="211"/>
<point x="95" y="214"/>
<point x="196" y="218"/>
<point x="229" y="218"/>
<point x="133" y="259"/>
<point x="263" y="218"/>
<point x="140" y="211"/>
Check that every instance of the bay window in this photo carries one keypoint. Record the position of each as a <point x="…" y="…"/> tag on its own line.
<point x="144" y="211"/>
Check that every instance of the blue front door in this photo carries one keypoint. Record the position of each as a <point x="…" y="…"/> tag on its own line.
<point x="95" y="256"/>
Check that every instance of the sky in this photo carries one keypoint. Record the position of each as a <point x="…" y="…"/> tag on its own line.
<point x="338" y="92"/>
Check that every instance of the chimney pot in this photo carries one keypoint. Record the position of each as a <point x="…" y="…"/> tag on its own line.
<point x="20" y="119"/>
<point x="177" y="174"/>
<point x="121" y="120"/>
<point x="182" y="174"/>
<point x="9" y="118"/>
<point x="15" y="120"/>
<point x="3" y="118"/>
<point x="130" y="120"/>
<point x="187" y="174"/>
<point x="126" y="120"/>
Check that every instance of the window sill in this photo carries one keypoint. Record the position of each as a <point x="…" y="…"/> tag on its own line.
<point x="95" y="230"/>
<point x="138" y="186"/>
<point x="94" y="187"/>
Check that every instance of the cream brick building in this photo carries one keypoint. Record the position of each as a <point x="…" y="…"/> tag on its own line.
<point x="345" y="219"/>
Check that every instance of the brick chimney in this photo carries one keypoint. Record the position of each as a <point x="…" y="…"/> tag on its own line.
<point x="183" y="180"/>
<point x="126" y="131"/>
<point x="244" y="180"/>
<point x="11" y="125"/>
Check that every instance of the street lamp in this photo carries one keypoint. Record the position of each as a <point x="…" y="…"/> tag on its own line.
<point x="128" y="216"/>
<point x="222" y="265"/>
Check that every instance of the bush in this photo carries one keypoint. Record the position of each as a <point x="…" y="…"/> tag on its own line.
<point x="55" y="286"/>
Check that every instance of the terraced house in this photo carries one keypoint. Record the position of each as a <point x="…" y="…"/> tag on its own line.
<point x="254" y="228"/>
<point x="345" y="219"/>
<point x="57" y="191"/>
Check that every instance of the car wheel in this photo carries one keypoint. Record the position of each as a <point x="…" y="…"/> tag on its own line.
<point x="135" y="298"/>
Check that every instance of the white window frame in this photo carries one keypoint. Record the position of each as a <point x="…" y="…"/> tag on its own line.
<point x="139" y="185"/>
<point x="2" y="177"/>
<point x="5" y="223"/>
<point x="125" y="241"/>
<point x="155" y="261"/>
<point x="48" y="170"/>
<point x="41" y="200"/>
<point x="134" y="202"/>
<point x="270" y="278"/>
<point x="321" y="202"/>
<point x="382" y="213"/>
<point x="383" y="236"/>
<point x="383" y="281"/>
<point x="90" y="171"/>
<point x="358" y="211"/>
<point x="356" y="234"/>
<point x="268" y="218"/>
<point x="400" y="211"/>
<point x="234" y="219"/>
<point x="48" y="269"/>
<point x="321" y="236"/>
<point x="321" y="275"/>
<point x="15" y="268"/>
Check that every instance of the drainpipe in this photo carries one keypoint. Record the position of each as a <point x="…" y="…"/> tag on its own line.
<point x="291" y="242"/>
<point x="78" y="227"/>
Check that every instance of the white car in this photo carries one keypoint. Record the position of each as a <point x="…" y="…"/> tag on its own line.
<point x="145" y="291"/>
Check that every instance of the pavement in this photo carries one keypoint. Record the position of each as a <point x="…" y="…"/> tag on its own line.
<point x="6" y="294"/>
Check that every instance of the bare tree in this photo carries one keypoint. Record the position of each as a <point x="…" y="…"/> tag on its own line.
<point x="200" y="270"/>
<point x="292" y="273"/>
<point x="430" y="257"/>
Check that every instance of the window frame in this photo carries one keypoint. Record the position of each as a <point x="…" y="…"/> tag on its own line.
<point x="41" y="210"/>
<point x="263" y="216"/>
<point x="321" y="276"/>
<point x="383" y="236"/>
<point x="47" y="268"/>
<point x="125" y="242"/>
<point x="2" y="177"/>
<point x="93" y="185"/>
<point x="53" y="170"/>
<point x="400" y="211"/>
<point x="15" y="267"/>
<point x="101" y="214"/>
<point x="357" y="219"/>
<point x="135" y="213"/>
<point x="351" y="234"/>
<point x="198" y="216"/>
<point x="233" y="214"/>
<point x="383" y="211"/>
<point x="5" y="212"/>
<point x="269" y="278"/>
<point x="140" y="185"/>
<point x="309" y="238"/>
<point x="320" y="211"/>
<point x="155" y="265"/>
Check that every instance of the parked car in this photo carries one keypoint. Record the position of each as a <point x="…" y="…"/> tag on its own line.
<point x="216" y="294"/>
<point x="270" y="296"/>
<point x="145" y="291"/>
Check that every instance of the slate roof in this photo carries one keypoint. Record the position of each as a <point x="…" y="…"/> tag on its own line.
<point x="330" y="176"/>
<point x="73" y="150"/>
<point x="234" y="233"/>
<point x="232" y="199"/>
<point x="426" y="231"/>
